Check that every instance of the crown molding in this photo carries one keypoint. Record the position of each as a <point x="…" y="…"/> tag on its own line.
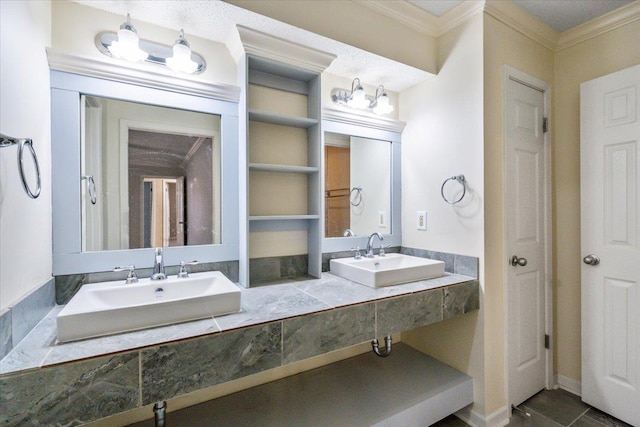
<point x="353" y="117"/>
<point x="406" y="13"/>
<point x="523" y="22"/>
<point x="422" y="21"/>
<point x="139" y="75"/>
<point x="281" y="50"/>
<point x="610" y="21"/>
<point x="459" y="15"/>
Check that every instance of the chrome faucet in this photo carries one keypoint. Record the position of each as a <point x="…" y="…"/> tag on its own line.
<point x="369" y="251"/>
<point x="158" y="266"/>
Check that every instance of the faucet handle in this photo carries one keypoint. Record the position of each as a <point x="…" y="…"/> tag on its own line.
<point x="132" y="277"/>
<point x="357" y="254"/>
<point x="382" y="250"/>
<point x="183" y="273"/>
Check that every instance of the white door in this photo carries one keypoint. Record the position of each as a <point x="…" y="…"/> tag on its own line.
<point x="525" y="217"/>
<point x="610" y="230"/>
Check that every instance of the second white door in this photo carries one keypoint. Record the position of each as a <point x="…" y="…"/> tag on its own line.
<point x="526" y="201"/>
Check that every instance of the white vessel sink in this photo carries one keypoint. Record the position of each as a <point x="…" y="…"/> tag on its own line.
<point x="112" y="307"/>
<point x="391" y="269"/>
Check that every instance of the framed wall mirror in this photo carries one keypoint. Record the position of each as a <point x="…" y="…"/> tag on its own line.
<point x="151" y="175"/>
<point x="136" y="168"/>
<point x="361" y="185"/>
<point x="357" y="185"/>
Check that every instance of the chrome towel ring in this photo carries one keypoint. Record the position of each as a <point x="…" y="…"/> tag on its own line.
<point x="358" y="196"/>
<point x="461" y="181"/>
<point x="91" y="188"/>
<point x="7" y="141"/>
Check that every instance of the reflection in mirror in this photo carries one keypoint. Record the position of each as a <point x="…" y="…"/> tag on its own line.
<point x="357" y="185"/>
<point x="155" y="174"/>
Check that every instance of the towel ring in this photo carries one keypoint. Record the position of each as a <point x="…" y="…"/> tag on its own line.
<point x="358" y="191"/>
<point x="91" y="188"/>
<point x="461" y="181"/>
<point x="7" y="141"/>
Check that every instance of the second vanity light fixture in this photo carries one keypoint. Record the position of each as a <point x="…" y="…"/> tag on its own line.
<point x="127" y="45"/>
<point x="358" y="99"/>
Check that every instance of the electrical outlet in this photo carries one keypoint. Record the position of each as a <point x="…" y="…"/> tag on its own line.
<point x="382" y="223"/>
<point x="421" y="220"/>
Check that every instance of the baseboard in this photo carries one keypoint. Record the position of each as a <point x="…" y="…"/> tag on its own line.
<point x="568" y="384"/>
<point x="497" y="419"/>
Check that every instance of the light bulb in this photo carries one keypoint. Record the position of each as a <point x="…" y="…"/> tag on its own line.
<point x="127" y="46"/>
<point x="382" y="105"/>
<point x="358" y="98"/>
<point x="181" y="60"/>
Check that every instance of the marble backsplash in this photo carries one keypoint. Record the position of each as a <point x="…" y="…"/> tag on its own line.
<point x="19" y="319"/>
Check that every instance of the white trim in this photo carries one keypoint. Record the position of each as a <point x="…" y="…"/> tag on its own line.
<point x="281" y="50"/>
<point x="498" y="418"/>
<point x="568" y="384"/>
<point x="352" y="117"/>
<point x="422" y="21"/>
<point x="523" y="22"/>
<point x="544" y="87"/>
<point x="139" y="74"/>
<point x="610" y="21"/>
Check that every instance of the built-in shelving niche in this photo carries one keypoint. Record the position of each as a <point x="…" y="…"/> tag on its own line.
<point x="282" y="154"/>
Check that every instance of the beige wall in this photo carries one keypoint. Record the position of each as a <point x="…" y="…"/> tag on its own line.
<point x="25" y="112"/>
<point x="444" y="137"/>
<point x="601" y="55"/>
<point x="353" y="24"/>
<point x="502" y="45"/>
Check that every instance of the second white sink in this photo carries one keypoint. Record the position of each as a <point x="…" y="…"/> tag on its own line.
<point x="392" y="269"/>
<point x="113" y="307"/>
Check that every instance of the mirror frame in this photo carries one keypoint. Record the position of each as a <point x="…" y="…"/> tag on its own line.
<point x="339" y="244"/>
<point x="68" y="257"/>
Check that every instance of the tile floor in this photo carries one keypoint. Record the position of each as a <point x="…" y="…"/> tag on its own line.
<point x="552" y="408"/>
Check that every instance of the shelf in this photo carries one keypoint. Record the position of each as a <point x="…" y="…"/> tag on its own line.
<point x="281" y="119"/>
<point x="266" y="167"/>
<point x="282" y="217"/>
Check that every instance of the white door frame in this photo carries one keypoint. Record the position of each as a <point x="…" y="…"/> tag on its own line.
<point x="510" y="73"/>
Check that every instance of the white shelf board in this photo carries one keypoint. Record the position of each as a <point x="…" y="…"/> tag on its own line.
<point x="266" y="167"/>
<point x="281" y="119"/>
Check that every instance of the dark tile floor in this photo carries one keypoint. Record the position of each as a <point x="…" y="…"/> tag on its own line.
<point x="552" y="408"/>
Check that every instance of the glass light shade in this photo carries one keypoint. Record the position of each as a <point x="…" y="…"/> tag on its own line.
<point x="127" y="46"/>
<point x="358" y="99"/>
<point x="382" y="105"/>
<point x="181" y="60"/>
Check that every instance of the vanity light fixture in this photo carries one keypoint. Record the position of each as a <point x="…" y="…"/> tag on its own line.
<point x="356" y="98"/>
<point x="125" y="44"/>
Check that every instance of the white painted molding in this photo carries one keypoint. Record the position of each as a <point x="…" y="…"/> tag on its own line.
<point x="498" y="418"/>
<point x="281" y="50"/>
<point x="406" y="13"/>
<point x="139" y="75"/>
<point x="353" y="117"/>
<point x="610" y="21"/>
<point x="421" y="20"/>
<point x="458" y="15"/>
<point x="568" y="384"/>
<point x="523" y="22"/>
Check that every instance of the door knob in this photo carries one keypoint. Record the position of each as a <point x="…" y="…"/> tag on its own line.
<point x="515" y="261"/>
<point x="591" y="259"/>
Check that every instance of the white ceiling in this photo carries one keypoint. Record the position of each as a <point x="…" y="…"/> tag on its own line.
<point x="560" y="15"/>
